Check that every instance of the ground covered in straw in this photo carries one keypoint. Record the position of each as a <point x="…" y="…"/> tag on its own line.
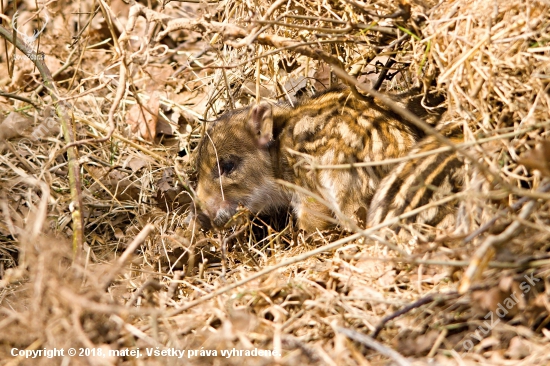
<point x="97" y="135"/>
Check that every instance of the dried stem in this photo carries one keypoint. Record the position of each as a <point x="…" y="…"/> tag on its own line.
<point x="61" y="109"/>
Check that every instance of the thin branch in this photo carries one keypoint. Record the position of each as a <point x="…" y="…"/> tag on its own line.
<point x="375" y="345"/>
<point x="487" y="249"/>
<point x="128" y="253"/>
<point x="418" y="303"/>
<point x="18" y="97"/>
<point x="502" y="213"/>
<point x="68" y="134"/>
<point x="375" y="28"/>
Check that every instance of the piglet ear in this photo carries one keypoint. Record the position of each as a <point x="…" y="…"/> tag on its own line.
<point x="261" y="123"/>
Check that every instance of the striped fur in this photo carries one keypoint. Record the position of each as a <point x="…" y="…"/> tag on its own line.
<point x="246" y="152"/>
<point x="418" y="182"/>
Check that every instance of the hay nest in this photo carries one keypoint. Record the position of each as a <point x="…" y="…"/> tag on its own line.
<point x="138" y="84"/>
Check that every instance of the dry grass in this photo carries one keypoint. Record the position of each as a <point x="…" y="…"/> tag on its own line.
<point x="263" y="285"/>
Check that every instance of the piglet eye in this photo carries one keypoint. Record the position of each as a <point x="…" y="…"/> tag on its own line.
<point x="227" y="167"/>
